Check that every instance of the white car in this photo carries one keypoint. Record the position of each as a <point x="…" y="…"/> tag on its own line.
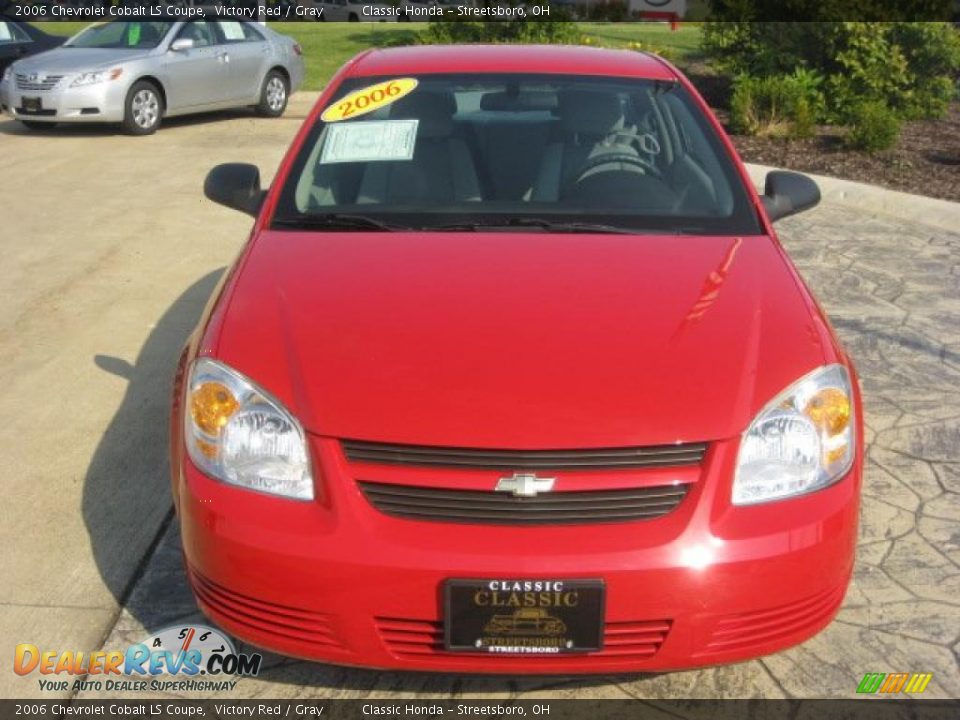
<point x="136" y="73"/>
<point x="351" y="10"/>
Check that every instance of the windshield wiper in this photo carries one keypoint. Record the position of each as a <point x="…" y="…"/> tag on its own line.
<point x="337" y="221"/>
<point x="539" y="223"/>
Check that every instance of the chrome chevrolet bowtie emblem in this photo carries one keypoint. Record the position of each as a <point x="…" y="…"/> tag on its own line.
<point x="525" y="484"/>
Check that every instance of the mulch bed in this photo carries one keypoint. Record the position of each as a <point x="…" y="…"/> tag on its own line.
<point x="925" y="160"/>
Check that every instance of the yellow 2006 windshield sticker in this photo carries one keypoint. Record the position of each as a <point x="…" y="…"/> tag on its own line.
<point x="368" y="99"/>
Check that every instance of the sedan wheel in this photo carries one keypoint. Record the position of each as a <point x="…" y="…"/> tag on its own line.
<point x="273" y="96"/>
<point x="144" y="109"/>
<point x="276" y="94"/>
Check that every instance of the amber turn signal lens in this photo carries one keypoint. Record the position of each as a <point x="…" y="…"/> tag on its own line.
<point x="209" y="450"/>
<point x="211" y="406"/>
<point x="829" y="410"/>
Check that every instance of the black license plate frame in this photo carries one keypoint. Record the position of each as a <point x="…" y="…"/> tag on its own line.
<point x="524" y="617"/>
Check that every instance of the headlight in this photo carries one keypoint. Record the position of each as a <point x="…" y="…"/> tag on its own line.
<point x="803" y="440"/>
<point x="92" y="78"/>
<point x="237" y="433"/>
<point x="7" y="72"/>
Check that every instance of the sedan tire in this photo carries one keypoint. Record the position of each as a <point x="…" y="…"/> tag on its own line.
<point x="143" y="109"/>
<point x="273" y="95"/>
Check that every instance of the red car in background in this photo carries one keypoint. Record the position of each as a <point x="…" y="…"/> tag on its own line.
<point x="513" y="337"/>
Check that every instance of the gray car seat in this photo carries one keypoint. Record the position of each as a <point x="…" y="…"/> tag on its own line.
<point x="591" y="124"/>
<point x="442" y="168"/>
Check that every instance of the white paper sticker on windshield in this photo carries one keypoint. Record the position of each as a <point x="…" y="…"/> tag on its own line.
<point x="370" y="141"/>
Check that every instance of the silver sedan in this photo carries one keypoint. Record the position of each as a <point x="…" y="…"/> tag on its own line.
<point x="136" y="73"/>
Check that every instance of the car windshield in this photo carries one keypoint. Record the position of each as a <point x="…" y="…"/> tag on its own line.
<point x="121" y="35"/>
<point x="566" y="153"/>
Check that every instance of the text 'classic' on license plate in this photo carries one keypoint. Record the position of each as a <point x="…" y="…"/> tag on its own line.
<point x="526" y="617"/>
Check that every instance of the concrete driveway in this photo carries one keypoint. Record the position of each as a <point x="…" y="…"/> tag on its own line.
<point x="109" y="253"/>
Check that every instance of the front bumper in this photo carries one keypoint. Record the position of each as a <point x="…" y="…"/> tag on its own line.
<point x="102" y="102"/>
<point x="335" y="580"/>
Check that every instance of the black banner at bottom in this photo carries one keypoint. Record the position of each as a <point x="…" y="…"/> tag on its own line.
<point x="396" y="709"/>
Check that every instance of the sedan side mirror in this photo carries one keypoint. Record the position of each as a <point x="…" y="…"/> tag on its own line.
<point x="788" y="193"/>
<point x="181" y="44"/>
<point x="236" y="185"/>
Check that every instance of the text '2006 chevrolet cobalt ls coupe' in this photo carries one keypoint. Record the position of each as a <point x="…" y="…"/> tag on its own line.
<point x="513" y="376"/>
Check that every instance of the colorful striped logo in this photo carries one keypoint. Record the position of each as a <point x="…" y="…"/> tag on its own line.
<point x="894" y="682"/>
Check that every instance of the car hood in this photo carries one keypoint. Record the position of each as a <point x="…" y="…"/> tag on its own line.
<point x="506" y="340"/>
<point x="67" y="60"/>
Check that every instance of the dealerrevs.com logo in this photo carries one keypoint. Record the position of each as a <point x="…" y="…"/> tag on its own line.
<point x="177" y="658"/>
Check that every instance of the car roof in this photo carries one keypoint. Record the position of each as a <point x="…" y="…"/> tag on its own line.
<point x="558" y="59"/>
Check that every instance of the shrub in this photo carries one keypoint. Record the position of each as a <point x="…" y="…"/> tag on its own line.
<point x="776" y="106"/>
<point x="866" y="67"/>
<point x="932" y="51"/>
<point x="873" y="127"/>
<point x="908" y="66"/>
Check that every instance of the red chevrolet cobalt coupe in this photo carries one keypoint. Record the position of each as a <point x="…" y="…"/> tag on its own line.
<point x="513" y="375"/>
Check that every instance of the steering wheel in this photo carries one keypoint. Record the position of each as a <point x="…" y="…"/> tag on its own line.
<point x="646" y="166"/>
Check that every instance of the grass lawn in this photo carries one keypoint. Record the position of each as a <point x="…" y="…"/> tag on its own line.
<point x="326" y="46"/>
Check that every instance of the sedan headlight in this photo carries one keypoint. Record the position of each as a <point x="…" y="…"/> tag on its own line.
<point x="803" y="440"/>
<point x="92" y="78"/>
<point x="237" y="433"/>
<point x="7" y="72"/>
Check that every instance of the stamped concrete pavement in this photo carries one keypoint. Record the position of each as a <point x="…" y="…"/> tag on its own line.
<point x="104" y="285"/>
<point x="109" y="253"/>
<point x="892" y="290"/>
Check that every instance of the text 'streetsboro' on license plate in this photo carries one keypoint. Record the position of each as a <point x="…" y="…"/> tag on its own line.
<point x="543" y="617"/>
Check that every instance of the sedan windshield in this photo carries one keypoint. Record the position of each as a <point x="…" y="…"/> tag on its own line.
<point x="539" y="152"/>
<point x="121" y="35"/>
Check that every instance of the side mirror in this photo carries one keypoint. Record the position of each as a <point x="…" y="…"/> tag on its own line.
<point x="236" y="185"/>
<point x="181" y="44"/>
<point x="788" y="193"/>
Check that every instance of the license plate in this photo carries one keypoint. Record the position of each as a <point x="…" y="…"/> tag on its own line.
<point x="523" y="617"/>
<point x="32" y="104"/>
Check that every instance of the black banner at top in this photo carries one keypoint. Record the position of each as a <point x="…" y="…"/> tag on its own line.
<point x="481" y="10"/>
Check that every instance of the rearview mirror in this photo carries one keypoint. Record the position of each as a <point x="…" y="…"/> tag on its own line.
<point x="788" y="193"/>
<point x="181" y="44"/>
<point x="236" y="185"/>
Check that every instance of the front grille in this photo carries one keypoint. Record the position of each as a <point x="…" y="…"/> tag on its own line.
<point x="639" y="639"/>
<point x="560" y="508"/>
<point x="40" y="83"/>
<point x="305" y="626"/>
<point x="630" y="457"/>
